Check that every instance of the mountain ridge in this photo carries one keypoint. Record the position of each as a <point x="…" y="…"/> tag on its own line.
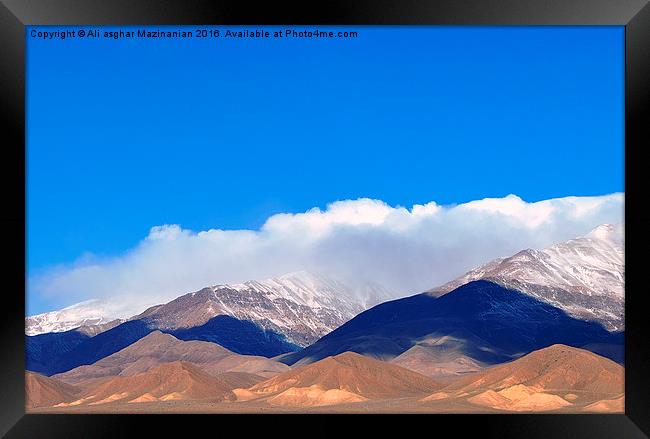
<point x="552" y="378"/>
<point x="494" y="323"/>
<point x="302" y="306"/>
<point x="344" y="378"/>
<point x="584" y="276"/>
<point x="158" y="348"/>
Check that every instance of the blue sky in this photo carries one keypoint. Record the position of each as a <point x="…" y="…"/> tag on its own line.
<point x="123" y="135"/>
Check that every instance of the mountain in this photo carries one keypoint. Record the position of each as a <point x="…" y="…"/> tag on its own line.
<point x="265" y="318"/>
<point x="236" y="380"/>
<point x="613" y="405"/>
<point x="344" y="378"/>
<point x="241" y="337"/>
<point x="584" y="276"/>
<point x="555" y="378"/>
<point x="485" y="322"/>
<point x="557" y="367"/>
<point x="301" y="306"/>
<point x="249" y="364"/>
<point x="89" y="350"/>
<point x="92" y="315"/>
<point x="93" y="330"/>
<point x="177" y="380"/>
<point x="41" y="391"/>
<point x="548" y="379"/>
<point x="438" y="357"/>
<point x="157" y="348"/>
<point x="42" y="349"/>
<point x="149" y="351"/>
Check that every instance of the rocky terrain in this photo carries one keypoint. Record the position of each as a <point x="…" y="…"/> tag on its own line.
<point x="301" y="306"/>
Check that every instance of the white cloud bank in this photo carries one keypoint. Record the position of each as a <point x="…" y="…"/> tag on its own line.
<point x="407" y="250"/>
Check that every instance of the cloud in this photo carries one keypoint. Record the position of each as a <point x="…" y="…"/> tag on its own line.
<point x="407" y="250"/>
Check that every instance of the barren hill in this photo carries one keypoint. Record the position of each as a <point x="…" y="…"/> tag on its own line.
<point x="558" y="368"/>
<point x="438" y="357"/>
<point x="552" y="378"/>
<point x="158" y="348"/>
<point x="178" y="380"/>
<point x="42" y="391"/>
<point x="347" y="377"/>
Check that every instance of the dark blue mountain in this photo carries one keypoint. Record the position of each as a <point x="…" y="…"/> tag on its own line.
<point x="494" y="324"/>
<point x="94" y="348"/>
<point x="240" y="336"/>
<point x="41" y="349"/>
<point x="54" y="353"/>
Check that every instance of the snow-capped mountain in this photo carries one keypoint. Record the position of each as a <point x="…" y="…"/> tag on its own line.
<point x="302" y="306"/>
<point x="92" y="316"/>
<point x="584" y="276"/>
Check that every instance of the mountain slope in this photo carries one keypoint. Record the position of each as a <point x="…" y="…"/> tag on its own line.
<point x="41" y="391"/>
<point x="177" y="380"/>
<point x="241" y="337"/>
<point x="486" y="322"/>
<point x="157" y="348"/>
<point x="584" y="276"/>
<point x="264" y="318"/>
<point x="557" y="367"/>
<point x="344" y="378"/>
<point x="95" y="348"/>
<point x="548" y="379"/>
<point x="298" y="307"/>
<point x="91" y="313"/>
<point x="42" y="349"/>
<point x="301" y="306"/>
<point x="441" y="357"/>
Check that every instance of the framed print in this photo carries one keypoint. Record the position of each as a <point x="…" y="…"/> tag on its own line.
<point x="364" y="209"/>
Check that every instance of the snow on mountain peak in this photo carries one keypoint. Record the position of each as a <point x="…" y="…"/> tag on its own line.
<point x="88" y="313"/>
<point x="608" y="232"/>
<point x="306" y="288"/>
<point x="584" y="276"/>
<point x="303" y="306"/>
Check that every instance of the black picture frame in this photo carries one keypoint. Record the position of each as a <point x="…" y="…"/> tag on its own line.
<point x="633" y="14"/>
